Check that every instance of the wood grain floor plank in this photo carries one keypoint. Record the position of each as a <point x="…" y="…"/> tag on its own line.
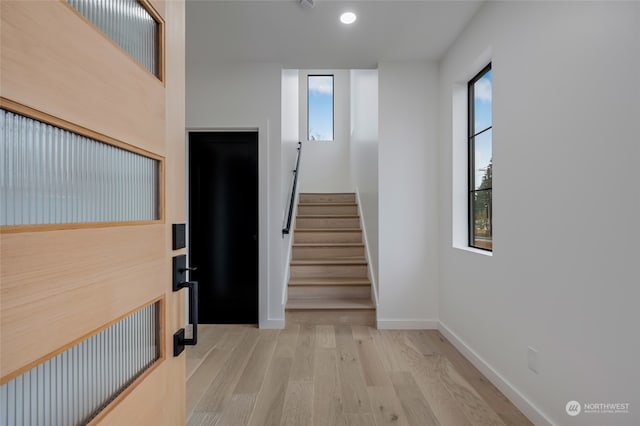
<point x="387" y="409"/>
<point x="222" y="386"/>
<point x="420" y="341"/>
<point x="328" y="317"/>
<point x="327" y="402"/>
<point x="203" y="419"/>
<point x="359" y="420"/>
<point x="353" y="389"/>
<point x="325" y="336"/>
<point x="253" y="373"/>
<point x="423" y="369"/>
<point x="191" y="364"/>
<point x="208" y="370"/>
<point x="303" y="360"/>
<point x="414" y="405"/>
<point x="237" y="410"/>
<point x="246" y="376"/>
<point x="298" y="404"/>
<point x="509" y="414"/>
<point x="474" y="407"/>
<point x="383" y="339"/>
<point x="370" y="360"/>
<point x="287" y="341"/>
<point x="208" y="338"/>
<point x="268" y="408"/>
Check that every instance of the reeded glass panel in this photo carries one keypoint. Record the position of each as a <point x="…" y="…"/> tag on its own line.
<point x="128" y="24"/>
<point x="74" y="386"/>
<point x="52" y="176"/>
<point x="320" y="107"/>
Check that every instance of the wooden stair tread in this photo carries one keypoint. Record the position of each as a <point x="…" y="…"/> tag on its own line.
<point x="327" y="204"/>
<point x="329" y="266"/>
<point x="347" y="281"/>
<point x="329" y="304"/>
<point x="327" y="230"/>
<point x="327" y="216"/>
<point x="327" y="193"/>
<point x="320" y="262"/>
<point x="328" y="244"/>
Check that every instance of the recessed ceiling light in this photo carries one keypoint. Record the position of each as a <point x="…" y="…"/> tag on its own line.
<point x="348" y="18"/>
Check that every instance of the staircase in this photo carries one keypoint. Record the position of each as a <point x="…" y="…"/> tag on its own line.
<point x="329" y="281"/>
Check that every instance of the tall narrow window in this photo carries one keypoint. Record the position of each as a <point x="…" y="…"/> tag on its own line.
<point x="320" y="107"/>
<point x="480" y="161"/>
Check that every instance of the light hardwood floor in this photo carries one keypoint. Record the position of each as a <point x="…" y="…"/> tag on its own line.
<point x="337" y="375"/>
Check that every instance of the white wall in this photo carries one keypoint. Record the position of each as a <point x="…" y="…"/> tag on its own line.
<point x="408" y="195"/>
<point x="289" y="130"/>
<point x="247" y="96"/>
<point x="364" y="157"/>
<point x="563" y="277"/>
<point x="326" y="165"/>
<point x="290" y="133"/>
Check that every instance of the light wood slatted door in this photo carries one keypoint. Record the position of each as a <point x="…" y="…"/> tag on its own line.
<point x="65" y="283"/>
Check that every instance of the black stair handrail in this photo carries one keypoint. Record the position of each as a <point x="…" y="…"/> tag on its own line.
<point x="287" y="227"/>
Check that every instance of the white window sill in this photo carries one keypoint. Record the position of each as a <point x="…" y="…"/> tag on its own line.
<point x="475" y="250"/>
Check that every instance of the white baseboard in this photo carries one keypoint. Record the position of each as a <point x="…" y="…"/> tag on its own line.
<point x="523" y="404"/>
<point x="407" y="324"/>
<point x="272" y="324"/>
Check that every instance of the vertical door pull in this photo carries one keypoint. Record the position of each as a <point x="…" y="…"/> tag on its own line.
<point x="179" y="282"/>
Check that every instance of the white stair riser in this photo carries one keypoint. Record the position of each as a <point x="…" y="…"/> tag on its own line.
<point x="328" y="271"/>
<point x="324" y="292"/>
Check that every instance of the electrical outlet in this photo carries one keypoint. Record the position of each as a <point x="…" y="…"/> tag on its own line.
<point x="532" y="359"/>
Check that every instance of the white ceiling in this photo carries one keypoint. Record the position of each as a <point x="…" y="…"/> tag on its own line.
<point x="282" y="31"/>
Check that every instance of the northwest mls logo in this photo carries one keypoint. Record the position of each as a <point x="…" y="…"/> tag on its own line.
<point x="573" y="408"/>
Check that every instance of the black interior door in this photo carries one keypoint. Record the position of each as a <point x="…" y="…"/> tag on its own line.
<point x="223" y="225"/>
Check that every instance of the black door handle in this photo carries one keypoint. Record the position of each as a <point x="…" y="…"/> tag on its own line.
<point x="179" y="341"/>
<point x="179" y="282"/>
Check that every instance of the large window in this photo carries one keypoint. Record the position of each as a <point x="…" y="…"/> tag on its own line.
<point x="320" y="107"/>
<point x="52" y="176"/>
<point x="480" y="161"/>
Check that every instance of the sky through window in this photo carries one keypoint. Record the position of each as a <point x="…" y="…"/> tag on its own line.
<point x="320" y="107"/>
